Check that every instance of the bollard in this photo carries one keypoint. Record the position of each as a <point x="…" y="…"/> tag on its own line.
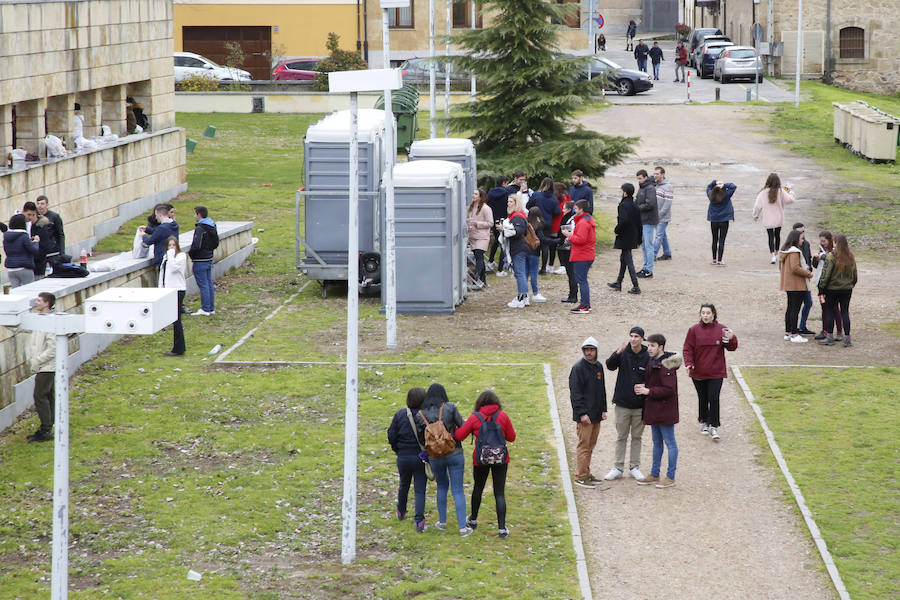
<point x="718" y="92"/>
<point x="748" y="95"/>
<point x="688" y="88"/>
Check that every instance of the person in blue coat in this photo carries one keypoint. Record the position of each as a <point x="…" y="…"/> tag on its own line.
<point x="545" y="200"/>
<point x="719" y="213"/>
<point x="581" y="190"/>
<point x="159" y="239"/>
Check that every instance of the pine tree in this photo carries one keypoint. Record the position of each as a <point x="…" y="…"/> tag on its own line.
<point x="528" y="94"/>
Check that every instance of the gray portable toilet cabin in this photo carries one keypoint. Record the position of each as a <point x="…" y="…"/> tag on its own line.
<point x="326" y="161"/>
<point x="462" y="152"/>
<point x="430" y="239"/>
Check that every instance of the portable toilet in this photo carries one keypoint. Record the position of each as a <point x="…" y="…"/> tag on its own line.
<point x="430" y="236"/>
<point x="326" y="162"/>
<point x="458" y="150"/>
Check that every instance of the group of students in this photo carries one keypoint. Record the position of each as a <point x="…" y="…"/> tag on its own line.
<point x="34" y="239"/>
<point x="646" y="393"/>
<point x="427" y="438"/>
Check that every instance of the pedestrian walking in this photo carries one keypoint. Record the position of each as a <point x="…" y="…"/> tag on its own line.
<point x="681" y="57"/>
<point x="704" y="357"/>
<point x="665" y="194"/>
<point x="479" y="222"/>
<point x="628" y="237"/>
<point x="630" y="32"/>
<point x="839" y="277"/>
<point x="719" y="213"/>
<point x="515" y="228"/>
<point x="587" y="393"/>
<point x="769" y="205"/>
<point x="807" y="298"/>
<point x="794" y="281"/>
<point x="826" y="245"/>
<point x="660" y="391"/>
<point x="647" y="205"/>
<point x="492" y="429"/>
<point x="582" y="238"/>
<point x="171" y="276"/>
<point x="630" y="359"/>
<point x="409" y="445"/>
<point x="656" y="58"/>
<point x="40" y="352"/>
<point x="641" y="52"/>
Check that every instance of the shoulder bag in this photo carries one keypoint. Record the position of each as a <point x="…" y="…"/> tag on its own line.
<point x="428" y="472"/>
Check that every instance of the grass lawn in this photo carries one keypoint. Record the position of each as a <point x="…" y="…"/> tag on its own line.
<point x="838" y="431"/>
<point x="869" y="209"/>
<point x="237" y="473"/>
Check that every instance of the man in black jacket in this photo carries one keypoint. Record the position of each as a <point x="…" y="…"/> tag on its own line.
<point x="641" y="52"/>
<point x="646" y="203"/>
<point x="631" y="360"/>
<point x="628" y="237"/>
<point x="204" y="242"/>
<point x="43" y="208"/>
<point x="497" y="203"/>
<point x="587" y="392"/>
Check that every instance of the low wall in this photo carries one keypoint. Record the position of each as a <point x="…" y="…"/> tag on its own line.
<point x="17" y="384"/>
<point x="96" y="191"/>
<point x="293" y="102"/>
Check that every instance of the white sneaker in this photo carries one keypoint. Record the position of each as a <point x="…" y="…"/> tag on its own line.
<point x="561" y="271"/>
<point x="491" y="266"/>
<point x="477" y="285"/>
<point x="714" y="434"/>
<point x="527" y="301"/>
<point x="774" y="258"/>
<point x="704" y="430"/>
<point x="516" y="303"/>
<point x="614" y="473"/>
<point x="502" y="274"/>
<point x="799" y="339"/>
<point x="539" y="298"/>
<point x="636" y="473"/>
<point x="787" y="337"/>
<point x="200" y="312"/>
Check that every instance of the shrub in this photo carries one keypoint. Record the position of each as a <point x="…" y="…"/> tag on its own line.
<point x="198" y="83"/>
<point x="338" y="60"/>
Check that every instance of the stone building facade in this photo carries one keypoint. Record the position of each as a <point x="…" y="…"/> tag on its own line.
<point x="56" y="53"/>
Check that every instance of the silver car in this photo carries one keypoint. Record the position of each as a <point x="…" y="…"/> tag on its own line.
<point x="738" y="61"/>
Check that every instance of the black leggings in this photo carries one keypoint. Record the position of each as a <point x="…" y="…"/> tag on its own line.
<point x="774" y="234"/>
<point x="719" y="231"/>
<point x="792" y="313"/>
<point x="493" y="247"/>
<point x="479" y="265"/>
<point x="708" y="391"/>
<point x="626" y="261"/>
<point x="837" y="302"/>
<point x="498" y="473"/>
<point x="570" y="272"/>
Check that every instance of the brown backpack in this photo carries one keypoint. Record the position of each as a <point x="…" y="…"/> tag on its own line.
<point x="438" y="441"/>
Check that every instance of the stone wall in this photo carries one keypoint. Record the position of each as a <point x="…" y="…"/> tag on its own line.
<point x="17" y="384"/>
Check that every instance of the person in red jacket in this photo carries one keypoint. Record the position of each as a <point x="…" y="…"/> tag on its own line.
<point x="487" y="408"/>
<point x="582" y="238"/>
<point x="704" y="356"/>
<point x="661" y="407"/>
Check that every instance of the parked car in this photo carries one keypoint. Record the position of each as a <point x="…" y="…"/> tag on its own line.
<point x="188" y="63"/>
<point x="738" y="62"/>
<point x="300" y="68"/>
<point x="706" y="59"/>
<point x="626" y="82"/>
<point x="417" y="71"/>
<point x="710" y="39"/>
<point x="696" y="39"/>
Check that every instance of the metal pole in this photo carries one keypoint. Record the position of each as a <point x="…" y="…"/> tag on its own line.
<point x="474" y="16"/>
<point x="591" y="41"/>
<point x="770" y="35"/>
<point x="432" y="106"/>
<point x="447" y="68"/>
<point x="688" y="71"/>
<point x="758" y="73"/>
<point x="59" y="578"/>
<point x="348" y="508"/>
<point x="799" y="52"/>
<point x="390" y="266"/>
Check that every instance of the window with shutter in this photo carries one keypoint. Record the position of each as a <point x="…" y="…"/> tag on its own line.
<point x="853" y="42"/>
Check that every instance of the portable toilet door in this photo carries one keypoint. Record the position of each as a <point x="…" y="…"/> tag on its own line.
<point x="327" y="168"/>
<point x="429" y="238"/>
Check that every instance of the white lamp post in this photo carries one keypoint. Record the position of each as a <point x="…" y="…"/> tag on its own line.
<point x="354" y="82"/>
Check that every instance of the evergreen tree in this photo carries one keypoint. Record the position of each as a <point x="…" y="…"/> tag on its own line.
<point x="529" y="92"/>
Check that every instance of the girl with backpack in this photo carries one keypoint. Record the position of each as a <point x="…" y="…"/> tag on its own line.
<point x="492" y="429"/>
<point x="407" y="444"/>
<point x="438" y="412"/>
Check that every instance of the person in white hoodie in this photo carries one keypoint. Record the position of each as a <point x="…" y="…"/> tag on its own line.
<point x="171" y="275"/>
<point x="40" y="351"/>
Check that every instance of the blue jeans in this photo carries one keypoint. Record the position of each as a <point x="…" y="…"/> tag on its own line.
<point x="520" y="266"/>
<point x="532" y="261"/>
<point x="656" y="70"/>
<point x="204" y="280"/>
<point x="662" y="240"/>
<point x="448" y="473"/>
<point x="804" y="309"/>
<point x="642" y="64"/>
<point x="647" y="246"/>
<point x="581" y="273"/>
<point x="664" y="433"/>
<point x="411" y="470"/>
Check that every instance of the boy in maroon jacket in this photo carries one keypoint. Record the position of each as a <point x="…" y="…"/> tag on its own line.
<point x="661" y="407"/>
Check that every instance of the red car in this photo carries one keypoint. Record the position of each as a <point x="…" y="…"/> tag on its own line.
<point x="296" y="69"/>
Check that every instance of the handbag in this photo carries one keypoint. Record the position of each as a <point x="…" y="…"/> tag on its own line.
<point x="429" y="473"/>
<point x="139" y="249"/>
<point x="532" y="239"/>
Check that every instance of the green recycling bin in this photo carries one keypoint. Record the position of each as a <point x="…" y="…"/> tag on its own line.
<point x="405" y="105"/>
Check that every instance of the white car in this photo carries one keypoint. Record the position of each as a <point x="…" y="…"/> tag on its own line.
<point x="188" y="63"/>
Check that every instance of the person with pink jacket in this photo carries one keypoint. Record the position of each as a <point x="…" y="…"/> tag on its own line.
<point x="770" y="203"/>
<point x="479" y="221"/>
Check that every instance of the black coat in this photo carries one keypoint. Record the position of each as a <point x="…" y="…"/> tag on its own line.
<point x="587" y="390"/>
<point x="645" y="200"/>
<point x="632" y="369"/>
<point x="402" y="437"/>
<point x="517" y="243"/>
<point x="497" y="198"/>
<point x="628" y="225"/>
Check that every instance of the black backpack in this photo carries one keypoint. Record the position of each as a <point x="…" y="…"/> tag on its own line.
<point x="490" y="449"/>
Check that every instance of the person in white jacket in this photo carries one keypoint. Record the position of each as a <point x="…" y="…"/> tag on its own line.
<point x="40" y="351"/>
<point x="171" y="275"/>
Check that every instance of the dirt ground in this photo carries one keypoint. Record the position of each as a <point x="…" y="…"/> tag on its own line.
<point x="725" y="529"/>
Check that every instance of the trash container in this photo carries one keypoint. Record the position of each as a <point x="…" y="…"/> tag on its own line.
<point x="326" y="162"/>
<point x="430" y="241"/>
<point x="878" y="135"/>
<point x="840" y="122"/>
<point x="405" y="104"/>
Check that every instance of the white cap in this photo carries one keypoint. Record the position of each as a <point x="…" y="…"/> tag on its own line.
<point x="590" y="342"/>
